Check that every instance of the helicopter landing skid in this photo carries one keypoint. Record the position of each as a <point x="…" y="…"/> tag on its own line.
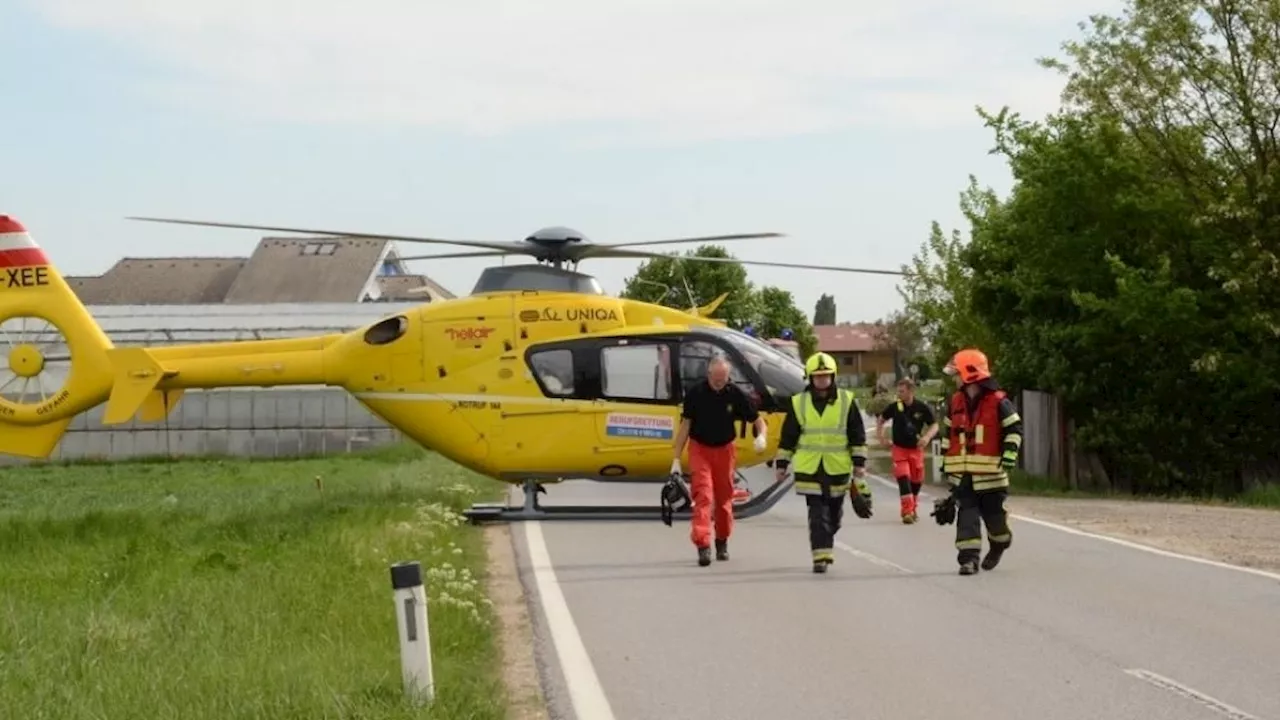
<point x="479" y="513"/>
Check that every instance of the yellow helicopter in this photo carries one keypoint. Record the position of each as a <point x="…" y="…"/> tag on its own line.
<point x="535" y="377"/>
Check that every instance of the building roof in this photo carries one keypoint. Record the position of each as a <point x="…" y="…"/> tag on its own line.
<point x="846" y="337"/>
<point x="281" y="270"/>
<point x="307" y="270"/>
<point x="410" y="287"/>
<point x="159" y="281"/>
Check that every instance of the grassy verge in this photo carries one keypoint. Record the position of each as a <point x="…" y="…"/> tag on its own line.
<point x="1029" y="485"/>
<point x="227" y="589"/>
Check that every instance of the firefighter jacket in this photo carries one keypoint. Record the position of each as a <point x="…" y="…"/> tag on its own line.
<point x="981" y="437"/>
<point x="823" y="435"/>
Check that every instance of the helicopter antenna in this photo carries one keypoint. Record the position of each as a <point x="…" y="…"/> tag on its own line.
<point x="667" y="289"/>
<point x="693" y="301"/>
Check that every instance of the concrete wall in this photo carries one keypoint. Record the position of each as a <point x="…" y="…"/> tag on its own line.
<point x="240" y="422"/>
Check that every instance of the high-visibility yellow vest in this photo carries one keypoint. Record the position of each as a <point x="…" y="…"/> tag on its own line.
<point x="823" y="437"/>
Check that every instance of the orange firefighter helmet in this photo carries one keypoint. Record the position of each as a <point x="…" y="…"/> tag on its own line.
<point x="971" y="365"/>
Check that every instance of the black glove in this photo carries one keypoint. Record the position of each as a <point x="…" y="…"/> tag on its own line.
<point x="861" y="504"/>
<point x="944" y="510"/>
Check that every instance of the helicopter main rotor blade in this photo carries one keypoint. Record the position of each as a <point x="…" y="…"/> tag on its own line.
<point x="447" y="256"/>
<point x="706" y="239"/>
<point x="499" y="246"/>
<point x="800" y="266"/>
<point x="606" y="252"/>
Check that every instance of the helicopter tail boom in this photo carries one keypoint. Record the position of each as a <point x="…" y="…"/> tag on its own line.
<point x="148" y="382"/>
<point x="56" y="362"/>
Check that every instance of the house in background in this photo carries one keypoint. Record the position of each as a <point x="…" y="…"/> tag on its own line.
<point x="280" y="270"/>
<point x="855" y="348"/>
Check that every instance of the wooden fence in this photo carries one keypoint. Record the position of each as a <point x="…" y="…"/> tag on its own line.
<point x="1048" y="446"/>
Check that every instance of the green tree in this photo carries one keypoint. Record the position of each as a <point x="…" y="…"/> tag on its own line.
<point x="1194" y="84"/>
<point x="678" y="283"/>
<point x="937" y="288"/>
<point x="778" y="312"/>
<point x="1133" y="269"/>
<point x="824" y="312"/>
<point x="1074" y="273"/>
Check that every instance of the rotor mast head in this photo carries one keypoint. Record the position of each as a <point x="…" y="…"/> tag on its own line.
<point x="552" y="245"/>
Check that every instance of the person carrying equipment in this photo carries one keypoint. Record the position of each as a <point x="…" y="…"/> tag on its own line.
<point x="824" y="442"/>
<point x="982" y="436"/>
<point x="908" y="415"/>
<point x="707" y="423"/>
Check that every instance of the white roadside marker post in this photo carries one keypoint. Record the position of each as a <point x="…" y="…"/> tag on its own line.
<point x="415" y="639"/>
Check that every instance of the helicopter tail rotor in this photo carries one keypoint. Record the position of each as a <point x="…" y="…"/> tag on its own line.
<point x="53" y="356"/>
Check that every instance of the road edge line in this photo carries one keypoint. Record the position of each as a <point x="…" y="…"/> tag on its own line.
<point x="1186" y="691"/>
<point x="586" y="694"/>
<point x="1115" y="540"/>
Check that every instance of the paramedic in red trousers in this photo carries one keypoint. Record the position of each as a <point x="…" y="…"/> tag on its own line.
<point x="708" y="423"/>
<point x="909" y="416"/>
<point x="981" y="439"/>
<point x="824" y="441"/>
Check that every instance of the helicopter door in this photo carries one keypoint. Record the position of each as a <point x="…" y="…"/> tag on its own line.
<point x="642" y="408"/>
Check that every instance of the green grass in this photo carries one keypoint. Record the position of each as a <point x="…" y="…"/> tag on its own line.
<point x="1026" y="484"/>
<point x="226" y="589"/>
<point x="1267" y="496"/>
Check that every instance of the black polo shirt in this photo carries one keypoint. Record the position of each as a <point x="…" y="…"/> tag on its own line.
<point x="909" y="424"/>
<point x="711" y="414"/>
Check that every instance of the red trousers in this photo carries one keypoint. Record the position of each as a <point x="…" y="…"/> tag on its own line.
<point x="908" y="463"/>
<point x="712" y="470"/>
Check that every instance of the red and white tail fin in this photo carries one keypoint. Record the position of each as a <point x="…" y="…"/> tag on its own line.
<point x="53" y="356"/>
<point x="17" y="249"/>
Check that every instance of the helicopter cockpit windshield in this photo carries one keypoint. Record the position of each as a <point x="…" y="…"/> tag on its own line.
<point x="782" y="376"/>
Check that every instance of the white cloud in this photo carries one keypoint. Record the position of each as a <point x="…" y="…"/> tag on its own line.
<point x="659" y="68"/>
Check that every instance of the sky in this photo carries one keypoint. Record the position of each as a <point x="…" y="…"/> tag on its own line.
<point x="850" y="127"/>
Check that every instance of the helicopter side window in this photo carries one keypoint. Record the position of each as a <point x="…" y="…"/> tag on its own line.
<point x="554" y="369"/>
<point x="636" y="372"/>
<point x="695" y="357"/>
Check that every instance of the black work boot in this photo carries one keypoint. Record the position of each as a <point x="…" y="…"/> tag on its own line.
<point x="969" y="567"/>
<point x="722" y="549"/>
<point x="993" y="557"/>
<point x="820" y="566"/>
<point x="704" y="556"/>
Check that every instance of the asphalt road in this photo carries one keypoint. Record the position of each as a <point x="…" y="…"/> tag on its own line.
<point x="629" y="627"/>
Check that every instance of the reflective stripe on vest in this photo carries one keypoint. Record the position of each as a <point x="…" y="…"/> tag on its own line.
<point x="974" y="444"/>
<point x="823" y="439"/>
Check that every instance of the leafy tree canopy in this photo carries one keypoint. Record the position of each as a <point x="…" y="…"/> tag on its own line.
<point x="824" y="311"/>
<point x="1133" y="270"/>
<point x="676" y="283"/>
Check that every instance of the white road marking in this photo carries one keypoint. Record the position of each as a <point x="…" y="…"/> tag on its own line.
<point x="1148" y="548"/>
<point x="586" y="694"/>
<point x="1114" y="540"/>
<point x="1174" y="686"/>
<point x="873" y="559"/>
